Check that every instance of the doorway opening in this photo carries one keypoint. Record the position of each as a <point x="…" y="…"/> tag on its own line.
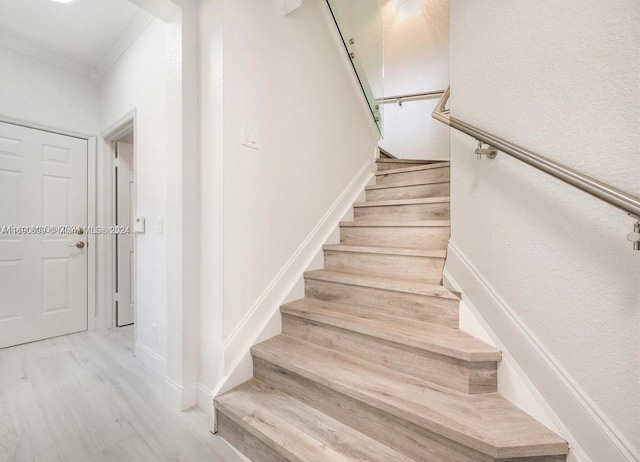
<point x="124" y="225"/>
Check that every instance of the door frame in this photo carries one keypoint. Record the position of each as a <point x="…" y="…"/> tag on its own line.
<point x="126" y="124"/>
<point x="92" y="247"/>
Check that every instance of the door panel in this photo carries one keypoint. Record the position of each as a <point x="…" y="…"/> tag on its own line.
<point x="126" y="253"/>
<point x="43" y="276"/>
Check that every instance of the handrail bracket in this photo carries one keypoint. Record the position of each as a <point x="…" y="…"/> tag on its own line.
<point x="634" y="236"/>
<point x="489" y="152"/>
<point x="489" y="145"/>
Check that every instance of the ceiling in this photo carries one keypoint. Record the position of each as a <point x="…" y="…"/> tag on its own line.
<point x="82" y="35"/>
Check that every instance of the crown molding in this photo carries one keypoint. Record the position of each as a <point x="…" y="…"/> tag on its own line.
<point x="137" y="25"/>
<point x="46" y="56"/>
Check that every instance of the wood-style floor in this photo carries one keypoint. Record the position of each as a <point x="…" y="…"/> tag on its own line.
<point x="84" y="397"/>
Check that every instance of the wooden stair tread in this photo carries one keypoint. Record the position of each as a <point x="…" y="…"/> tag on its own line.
<point x="413" y="169"/>
<point x="375" y="187"/>
<point x="296" y="430"/>
<point x="407" y="251"/>
<point x="487" y="423"/>
<point x="453" y="343"/>
<point x="395" y="202"/>
<point x="385" y="153"/>
<point x="397" y="224"/>
<point x="404" y="161"/>
<point x="385" y="283"/>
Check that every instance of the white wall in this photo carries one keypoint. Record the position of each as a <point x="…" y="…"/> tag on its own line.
<point x="211" y="303"/>
<point x="42" y="94"/>
<point x="560" y="78"/>
<point x="416" y="59"/>
<point x="138" y="80"/>
<point x="287" y="77"/>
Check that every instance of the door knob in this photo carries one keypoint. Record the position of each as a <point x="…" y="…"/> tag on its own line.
<point x="79" y="245"/>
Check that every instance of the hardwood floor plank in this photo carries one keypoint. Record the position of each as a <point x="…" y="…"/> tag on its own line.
<point x="85" y="397"/>
<point x="133" y="449"/>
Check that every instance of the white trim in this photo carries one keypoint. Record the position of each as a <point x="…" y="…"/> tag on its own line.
<point x="178" y="397"/>
<point x="126" y="124"/>
<point x="45" y="128"/>
<point x="139" y="23"/>
<point x="46" y="56"/>
<point x="123" y="126"/>
<point x="92" y="245"/>
<point x="262" y="321"/>
<point x="150" y="360"/>
<point x="591" y="432"/>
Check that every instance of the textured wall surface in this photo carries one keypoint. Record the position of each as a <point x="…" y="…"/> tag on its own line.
<point x="562" y="79"/>
<point x="138" y="80"/>
<point x="314" y="134"/>
<point x="416" y="59"/>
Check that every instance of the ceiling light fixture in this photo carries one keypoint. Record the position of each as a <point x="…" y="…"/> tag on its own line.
<point x="63" y="1"/>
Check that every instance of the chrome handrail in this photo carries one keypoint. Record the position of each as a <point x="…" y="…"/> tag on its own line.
<point x="586" y="183"/>
<point x="410" y="97"/>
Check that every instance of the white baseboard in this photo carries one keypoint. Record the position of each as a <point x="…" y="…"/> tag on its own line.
<point x="179" y="398"/>
<point x="151" y="361"/>
<point x="532" y="372"/>
<point x="263" y="320"/>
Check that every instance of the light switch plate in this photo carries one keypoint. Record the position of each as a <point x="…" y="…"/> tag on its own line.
<point x="249" y="136"/>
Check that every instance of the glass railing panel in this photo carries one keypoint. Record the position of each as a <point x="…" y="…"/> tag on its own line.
<point x="360" y="25"/>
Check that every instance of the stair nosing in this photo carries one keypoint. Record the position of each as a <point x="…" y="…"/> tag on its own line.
<point x="385" y="250"/>
<point x="236" y="415"/>
<point x="393" y="171"/>
<point x="292" y="309"/>
<point x="398" y="202"/>
<point x="407" y="161"/>
<point x="486" y="444"/>
<point x="383" y="283"/>
<point x="376" y="187"/>
<point x="397" y="224"/>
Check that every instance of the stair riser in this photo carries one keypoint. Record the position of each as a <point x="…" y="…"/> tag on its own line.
<point x="420" y="307"/>
<point x="396" y="266"/>
<point x="413" y="212"/>
<point x="403" y="436"/>
<point x="452" y="373"/>
<point x="245" y="442"/>
<point x="409" y="192"/>
<point x="428" y="238"/>
<point x="425" y="176"/>
<point x="382" y="166"/>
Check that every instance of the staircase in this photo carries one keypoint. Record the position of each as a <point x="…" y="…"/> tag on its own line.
<point x="371" y="365"/>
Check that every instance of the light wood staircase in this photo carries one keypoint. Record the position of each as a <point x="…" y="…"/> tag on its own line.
<point x="371" y="365"/>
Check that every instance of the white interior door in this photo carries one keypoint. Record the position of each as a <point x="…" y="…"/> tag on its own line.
<point x="43" y="272"/>
<point x="125" y="201"/>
